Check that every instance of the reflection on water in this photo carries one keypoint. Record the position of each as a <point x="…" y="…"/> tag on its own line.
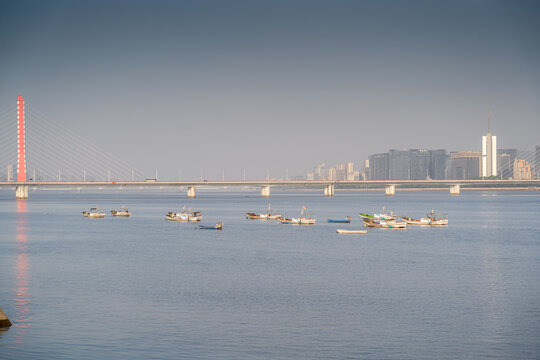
<point x="22" y="316"/>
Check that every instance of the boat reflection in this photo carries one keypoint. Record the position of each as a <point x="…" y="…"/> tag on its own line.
<point x="21" y="319"/>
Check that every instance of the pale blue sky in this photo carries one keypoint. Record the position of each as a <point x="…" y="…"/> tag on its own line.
<point x="276" y="85"/>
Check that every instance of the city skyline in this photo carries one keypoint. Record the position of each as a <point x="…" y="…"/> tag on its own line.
<point x="437" y="165"/>
<point x="256" y="85"/>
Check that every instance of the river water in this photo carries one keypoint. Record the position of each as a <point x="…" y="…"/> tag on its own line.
<point x="143" y="287"/>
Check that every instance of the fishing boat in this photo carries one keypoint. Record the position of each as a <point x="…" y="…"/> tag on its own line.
<point x="431" y="219"/>
<point x="347" y="220"/>
<point x="302" y="219"/>
<point x="93" y="213"/>
<point x="268" y="215"/>
<point x="122" y="212"/>
<point x="388" y="224"/>
<point x="218" y="226"/>
<point x="184" y="215"/>
<point x="343" y="231"/>
<point x="381" y="216"/>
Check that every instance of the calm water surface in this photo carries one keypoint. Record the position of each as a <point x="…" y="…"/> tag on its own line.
<point x="143" y="287"/>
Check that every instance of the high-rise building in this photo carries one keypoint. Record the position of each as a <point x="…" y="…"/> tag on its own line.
<point x="465" y="165"/>
<point x="419" y="164"/>
<point x="489" y="153"/>
<point x="350" y="167"/>
<point x="378" y="166"/>
<point x="399" y="164"/>
<point x="319" y="172"/>
<point x="332" y="174"/>
<point x="438" y="164"/>
<point x="505" y="162"/>
<point x="10" y="172"/>
<point x="522" y="170"/>
<point x="413" y="164"/>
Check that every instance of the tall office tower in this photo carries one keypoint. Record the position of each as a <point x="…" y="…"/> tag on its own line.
<point x="489" y="153"/>
<point x="400" y="164"/>
<point x="332" y="174"/>
<point x="505" y="162"/>
<point x="419" y="164"/>
<point x="438" y="165"/>
<point x="350" y="167"/>
<point x="378" y="166"/>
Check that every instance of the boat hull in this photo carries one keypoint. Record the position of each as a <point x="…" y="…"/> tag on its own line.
<point x="385" y="224"/>
<point x="93" y="215"/>
<point x="120" y="213"/>
<point x="425" y="221"/>
<point x="377" y="216"/>
<point x="254" y="216"/>
<point x="202" y="227"/>
<point x="343" y="231"/>
<point x="298" y="221"/>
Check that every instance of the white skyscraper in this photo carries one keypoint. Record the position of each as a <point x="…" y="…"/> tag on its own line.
<point x="489" y="153"/>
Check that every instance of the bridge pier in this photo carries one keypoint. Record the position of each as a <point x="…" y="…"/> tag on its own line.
<point x="265" y="191"/>
<point x="390" y="190"/>
<point x="21" y="192"/>
<point x="329" y="190"/>
<point x="191" y="192"/>
<point x="455" y="189"/>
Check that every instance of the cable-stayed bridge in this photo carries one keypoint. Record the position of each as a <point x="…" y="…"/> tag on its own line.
<point x="37" y="152"/>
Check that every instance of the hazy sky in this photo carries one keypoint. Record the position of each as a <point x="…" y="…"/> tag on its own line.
<point x="276" y="85"/>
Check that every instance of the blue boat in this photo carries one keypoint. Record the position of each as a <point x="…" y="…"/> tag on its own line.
<point x="347" y="220"/>
<point x="218" y="226"/>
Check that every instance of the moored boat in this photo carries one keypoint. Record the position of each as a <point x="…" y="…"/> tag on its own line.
<point x="381" y="216"/>
<point x="218" y="226"/>
<point x="302" y="219"/>
<point x="431" y="219"/>
<point x="388" y="224"/>
<point x="93" y="213"/>
<point x="122" y="212"/>
<point x="184" y="215"/>
<point x="344" y="231"/>
<point x="268" y="215"/>
<point x="411" y="221"/>
<point x="347" y="220"/>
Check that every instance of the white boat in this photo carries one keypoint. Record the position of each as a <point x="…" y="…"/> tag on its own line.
<point x="343" y="231"/>
<point x="184" y="215"/>
<point x="122" y="212"/>
<point x="302" y="219"/>
<point x="269" y="215"/>
<point x="93" y="213"/>
<point x="431" y="219"/>
<point x="388" y="224"/>
<point x="381" y="216"/>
